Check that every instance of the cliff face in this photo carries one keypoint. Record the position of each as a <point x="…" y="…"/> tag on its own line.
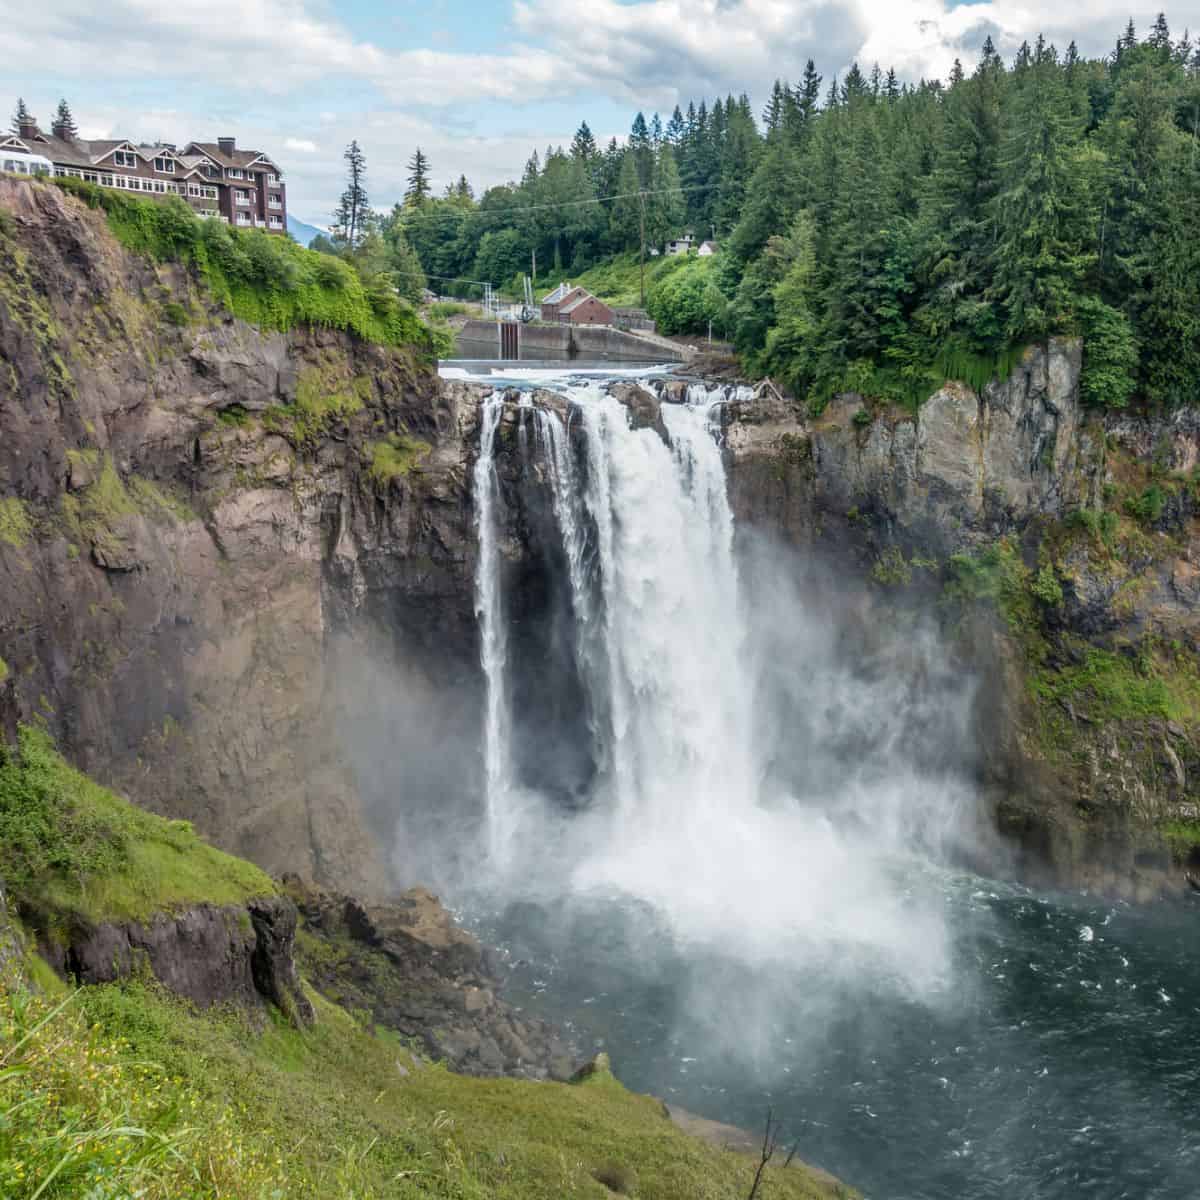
<point x="1059" y="553"/>
<point x="205" y="529"/>
<point x="238" y="571"/>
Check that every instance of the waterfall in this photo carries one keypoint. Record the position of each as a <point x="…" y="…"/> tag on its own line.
<point x="492" y="631"/>
<point x="685" y="810"/>
<point x="658" y="626"/>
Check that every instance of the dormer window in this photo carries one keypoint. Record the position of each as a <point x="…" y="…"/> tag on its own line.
<point x="125" y="158"/>
<point x="165" y="165"/>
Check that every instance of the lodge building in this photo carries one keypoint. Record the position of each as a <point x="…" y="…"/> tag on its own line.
<point x="242" y="187"/>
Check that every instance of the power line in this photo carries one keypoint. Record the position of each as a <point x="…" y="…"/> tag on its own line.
<point x="499" y="212"/>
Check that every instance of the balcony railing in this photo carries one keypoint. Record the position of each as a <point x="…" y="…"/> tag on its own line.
<point x="275" y="204"/>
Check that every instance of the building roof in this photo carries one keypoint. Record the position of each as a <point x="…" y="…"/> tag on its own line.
<point x="85" y="152"/>
<point x="709" y="243"/>
<point x="581" y="299"/>
<point x="236" y="159"/>
<point x="563" y="290"/>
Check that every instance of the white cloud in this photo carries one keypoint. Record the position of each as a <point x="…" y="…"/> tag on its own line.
<point x="225" y="54"/>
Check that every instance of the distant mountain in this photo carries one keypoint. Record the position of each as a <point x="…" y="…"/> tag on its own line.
<point x="302" y="231"/>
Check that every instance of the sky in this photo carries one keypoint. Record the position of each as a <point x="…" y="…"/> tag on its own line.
<point x="477" y="85"/>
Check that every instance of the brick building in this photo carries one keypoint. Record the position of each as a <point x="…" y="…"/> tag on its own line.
<point x="575" y="306"/>
<point x="242" y="187"/>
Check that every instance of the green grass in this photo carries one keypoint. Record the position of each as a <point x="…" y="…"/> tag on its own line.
<point x="616" y="281"/>
<point x="265" y="279"/>
<point x="72" y="850"/>
<point x="326" y="1113"/>
<point x="3" y="671"/>
<point x="15" y="525"/>
<point x="395" y="457"/>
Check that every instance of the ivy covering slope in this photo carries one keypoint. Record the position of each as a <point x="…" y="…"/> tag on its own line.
<point x="263" y="278"/>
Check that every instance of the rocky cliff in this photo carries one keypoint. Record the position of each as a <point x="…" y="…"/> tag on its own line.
<point x="238" y="572"/>
<point x="1058" y="550"/>
<point x="206" y="531"/>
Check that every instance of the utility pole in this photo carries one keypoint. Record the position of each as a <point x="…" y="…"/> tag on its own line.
<point x="642" y="225"/>
<point x="534" y="255"/>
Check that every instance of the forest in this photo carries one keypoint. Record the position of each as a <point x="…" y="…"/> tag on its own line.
<point x="879" y="236"/>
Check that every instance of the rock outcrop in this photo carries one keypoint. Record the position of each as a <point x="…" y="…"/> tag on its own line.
<point x="963" y="469"/>
<point x="208" y="954"/>
<point x="206" y="529"/>
<point x="409" y="966"/>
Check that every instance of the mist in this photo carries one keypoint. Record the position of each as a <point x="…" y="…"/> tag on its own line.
<point x="771" y="752"/>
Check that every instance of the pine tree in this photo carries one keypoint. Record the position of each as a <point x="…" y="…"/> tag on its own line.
<point x="956" y="74"/>
<point x="626" y="216"/>
<point x="583" y="145"/>
<point x="666" y="211"/>
<point x="21" y="116"/>
<point x="643" y="151"/>
<point x="891" y="89"/>
<point x="676" y="130"/>
<point x="63" y="125"/>
<point x="808" y="98"/>
<point x="773" y="113"/>
<point x="351" y="219"/>
<point x="418" y="180"/>
<point x="1045" y="221"/>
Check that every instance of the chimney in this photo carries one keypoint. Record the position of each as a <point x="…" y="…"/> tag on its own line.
<point x="27" y="129"/>
<point x="227" y="145"/>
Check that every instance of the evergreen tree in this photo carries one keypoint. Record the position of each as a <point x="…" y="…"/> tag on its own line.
<point x="808" y="95"/>
<point x="676" y="130"/>
<point x="21" y="116"/>
<point x="666" y="211"/>
<point x="63" y="125"/>
<point x="351" y="218"/>
<point x="627" y="211"/>
<point x="419" y="186"/>
<point x="583" y="145"/>
<point x="1045" y="221"/>
<point x="643" y="151"/>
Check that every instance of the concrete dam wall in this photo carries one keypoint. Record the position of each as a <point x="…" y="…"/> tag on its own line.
<point x="481" y="339"/>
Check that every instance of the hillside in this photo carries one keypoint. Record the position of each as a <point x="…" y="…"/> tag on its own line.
<point x="123" y="1086"/>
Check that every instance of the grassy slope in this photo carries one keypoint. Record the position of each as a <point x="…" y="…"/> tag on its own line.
<point x="70" y="849"/>
<point x="616" y="281"/>
<point x="123" y="1087"/>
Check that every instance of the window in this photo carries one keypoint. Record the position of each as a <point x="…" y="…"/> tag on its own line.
<point x="275" y="222"/>
<point x="165" y="165"/>
<point x="234" y="172"/>
<point x="91" y="176"/>
<point x="275" y="180"/>
<point x="275" y="201"/>
<point x="243" y="218"/>
<point x="243" y="196"/>
<point x="124" y="158"/>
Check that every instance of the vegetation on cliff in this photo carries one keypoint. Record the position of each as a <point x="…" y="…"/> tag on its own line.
<point x="118" y="1090"/>
<point x="71" y="850"/>
<point x="265" y="279"/>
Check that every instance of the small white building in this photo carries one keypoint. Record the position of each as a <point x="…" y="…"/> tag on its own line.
<point x="681" y="245"/>
<point x="707" y="249"/>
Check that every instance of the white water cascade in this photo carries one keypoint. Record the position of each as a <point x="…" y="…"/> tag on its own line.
<point x="679" y="816"/>
<point x="489" y="612"/>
